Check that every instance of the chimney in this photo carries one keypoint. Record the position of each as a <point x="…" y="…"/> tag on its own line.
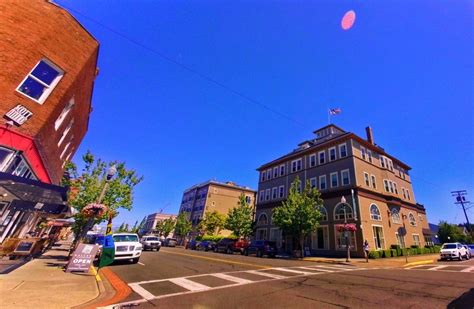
<point x="370" y="136"/>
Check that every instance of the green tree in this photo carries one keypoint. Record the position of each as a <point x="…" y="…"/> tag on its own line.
<point x="451" y="233"/>
<point x="166" y="226"/>
<point x="135" y="227"/>
<point x="183" y="225"/>
<point x="300" y="213"/>
<point x="85" y="188"/>
<point x="212" y="223"/>
<point x="121" y="227"/>
<point x="141" y="226"/>
<point x="240" y="219"/>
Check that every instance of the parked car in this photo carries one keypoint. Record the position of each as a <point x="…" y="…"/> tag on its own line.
<point x="150" y="242"/>
<point x="192" y="244"/>
<point x="170" y="242"/>
<point x="453" y="251"/>
<point x="468" y="252"/>
<point x="206" y="245"/>
<point x="127" y="247"/>
<point x="261" y="248"/>
<point x="229" y="245"/>
<point x="471" y="249"/>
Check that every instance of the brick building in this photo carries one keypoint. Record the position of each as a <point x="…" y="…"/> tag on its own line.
<point x="358" y="180"/>
<point x="49" y="64"/>
<point x="152" y="220"/>
<point x="213" y="196"/>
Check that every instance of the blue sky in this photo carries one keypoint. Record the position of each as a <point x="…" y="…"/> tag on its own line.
<point x="406" y="69"/>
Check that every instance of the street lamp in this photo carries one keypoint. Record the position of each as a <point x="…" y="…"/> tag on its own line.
<point x="403" y="235"/>
<point x="346" y="232"/>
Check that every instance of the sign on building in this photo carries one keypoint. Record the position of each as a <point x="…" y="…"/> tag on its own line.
<point x="19" y="114"/>
<point x="82" y="258"/>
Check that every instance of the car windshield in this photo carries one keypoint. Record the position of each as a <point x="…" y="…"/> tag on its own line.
<point x="471" y="246"/>
<point x="122" y="238"/>
<point x="449" y="246"/>
<point x="151" y="238"/>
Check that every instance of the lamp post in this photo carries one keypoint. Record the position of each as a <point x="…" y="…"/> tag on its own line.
<point x="404" y="233"/>
<point x="346" y="233"/>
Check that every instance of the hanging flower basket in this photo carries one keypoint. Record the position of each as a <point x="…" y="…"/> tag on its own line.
<point x="350" y="227"/>
<point x="94" y="210"/>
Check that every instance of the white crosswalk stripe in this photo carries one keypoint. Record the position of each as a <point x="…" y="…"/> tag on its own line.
<point x="191" y="286"/>
<point x="443" y="268"/>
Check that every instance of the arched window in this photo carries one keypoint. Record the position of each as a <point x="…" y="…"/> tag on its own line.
<point x="341" y="210"/>
<point x="324" y="213"/>
<point x="412" y="219"/>
<point x="395" y="214"/>
<point x="375" y="213"/>
<point x="262" y="219"/>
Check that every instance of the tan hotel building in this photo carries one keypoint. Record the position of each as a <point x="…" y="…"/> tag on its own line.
<point x="376" y="187"/>
<point x="213" y="196"/>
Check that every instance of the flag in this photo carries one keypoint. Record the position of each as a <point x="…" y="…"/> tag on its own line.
<point x="108" y="247"/>
<point x="335" y="111"/>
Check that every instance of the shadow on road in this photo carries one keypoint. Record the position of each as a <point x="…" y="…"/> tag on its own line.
<point x="466" y="300"/>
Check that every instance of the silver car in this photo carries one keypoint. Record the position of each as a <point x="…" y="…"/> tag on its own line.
<point x="150" y="242"/>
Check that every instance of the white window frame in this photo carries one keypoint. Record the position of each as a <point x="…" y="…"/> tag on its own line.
<point x="267" y="194"/>
<point x="65" y="132"/>
<point x="294" y="165"/>
<point x="59" y="121"/>
<point x="329" y="154"/>
<point x="404" y="193"/>
<point x="324" y="157"/>
<point x="398" y="219"/>
<point x="282" y="170"/>
<point x="324" y="211"/>
<point x="352" y="244"/>
<point x="261" y="196"/>
<point x="348" y="177"/>
<point x="395" y="187"/>
<point x="314" y="238"/>
<point x="269" y="174"/>
<point x="281" y="192"/>
<point x="369" y="155"/>
<point x="386" y="186"/>
<point x="262" y="176"/>
<point x="337" y="180"/>
<point x="313" y="182"/>
<point x="382" y="247"/>
<point x="64" y="150"/>
<point x="275" y="172"/>
<point x="363" y="153"/>
<point x="412" y="223"/>
<point x="274" y="193"/>
<point x="49" y="88"/>
<point x="340" y="151"/>
<point x="350" y="215"/>
<point x="373" y="181"/>
<point x="367" y="179"/>
<point x="372" y="217"/>
<point x="313" y="156"/>
<point x="325" y="182"/>
<point x="416" y="243"/>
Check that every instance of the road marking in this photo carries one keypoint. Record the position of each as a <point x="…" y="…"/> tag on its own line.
<point x="469" y="269"/>
<point x="333" y="267"/>
<point x="438" y="267"/>
<point x="189" y="285"/>
<point x="232" y="278"/>
<point x="317" y="269"/>
<point x="141" y="263"/>
<point x="292" y="271"/>
<point x="141" y="291"/>
<point x="265" y="274"/>
<point x="219" y="260"/>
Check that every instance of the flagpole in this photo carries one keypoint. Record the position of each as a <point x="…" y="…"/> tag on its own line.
<point x="329" y="116"/>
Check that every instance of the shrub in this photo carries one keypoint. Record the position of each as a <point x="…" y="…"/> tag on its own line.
<point x="213" y="238"/>
<point x="437" y="249"/>
<point x="397" y="247"/>
<point x="394" y="252"/>
<point x="404" y="252"/>
<point x="387" y="253"/>
<point x="374" y="254"/>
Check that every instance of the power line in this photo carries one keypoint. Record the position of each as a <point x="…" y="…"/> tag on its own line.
<point x="187" y="68"/>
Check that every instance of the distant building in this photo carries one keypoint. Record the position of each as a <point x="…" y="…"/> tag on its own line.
<point x="213" y="196"/>
<point x="355" y="177"/>
<point x="152" y="220"/>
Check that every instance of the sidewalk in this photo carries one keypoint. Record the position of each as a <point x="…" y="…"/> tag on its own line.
<point x="397" y="262"/>
<point x="42" y="283"/>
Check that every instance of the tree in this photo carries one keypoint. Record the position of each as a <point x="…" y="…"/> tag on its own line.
<point x="452" y="233"/>
<point x="299" y="215"/>
<point x="183" y="225"/>
<point x="165" y="227"/>
<point x="141" y="226"/>
<point x="135" y="227"/>
<point x="212" y="223"/>
<point x="240" y="219"/>
<point x="85" y="188"/>
<point x="121" y="227"/>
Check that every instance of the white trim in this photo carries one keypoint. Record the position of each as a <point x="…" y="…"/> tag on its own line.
<point x="336" y="232"/>
<point x="340" y="152"/>
<point x="282" y="166"/>
<point x="373" y="181"/>
<point x="383" y="237"/>
<point x="348" y="177"/>
<point x="367" y="179"/>
<point x="261" y="196"/>
<point x="399" y="220"/>
<point x="378" y="209"/>
<point x="315" y="182"/>
<point x="329" y="154"/>
<point x="315" y="160"/>
<point x="59" y="121"/>
<point x="281" y="191"/>
<point x="314" y="236"/>
<point x="324" y="157"/>
<point x="409" y="221"/>
<point x="65" y="132"/>
<point x="337" y="180"/>
<point x="267" y="194"/>
<point x="296" y="165"/>
<point x="274" y="193"/>
<point x="325" y="182"/>
<point x="277" y="170"/>
<point x="351" y="212"/>
<point x="413" y="238"/>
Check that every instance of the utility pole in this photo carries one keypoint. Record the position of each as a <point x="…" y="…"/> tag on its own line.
<point x="461" y="199"/>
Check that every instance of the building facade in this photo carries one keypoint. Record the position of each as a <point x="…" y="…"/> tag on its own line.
<point x="359" y="182"/>
<point x="152" y="220"/>
<point x="213" y="196"/>
<point x="49" y="64"/>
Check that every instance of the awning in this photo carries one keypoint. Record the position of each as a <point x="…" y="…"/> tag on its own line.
<point x="428" y="232"/>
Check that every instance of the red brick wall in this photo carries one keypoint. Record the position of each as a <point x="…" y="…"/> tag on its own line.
<point x="32" y="30"/>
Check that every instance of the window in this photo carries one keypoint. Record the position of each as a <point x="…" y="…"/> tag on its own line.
<point x="282" y="191"/>
<point x="366" y="179"/>
<point x="345" y="177"/>
<point x="248" y="199"/>
<point x="400" y="240"/>
<point x="322" y="157"/>
<point x="382" y="161"/>
<point x="312" y="160"/>
<point x="296" y="165"/>
<point x="342" y="151"/>
<point x="334" y="182"/>
<point x="341" y="240"/>
<point x="65" y="132"/>
<point x="299" y="187"/>
<point x="41" y="81"/>
<point x="342" y="210"/>
<point x="408" y="194"/>
<point x="19" y="167"/>
<point x="416" y="239"/>
<point x="411" y="219"/>
<point x="395" y="215"/>
<point x="374" y="183"/>
<point x="363" y="153"/>
<point x="262" y="219"/>
<point x="420" y="217"/>
<point x="369" y="154"/>
<point x="261" y="234"/>
<point x="324" y="213"/>
<point x="63" y="114"/>
<point x="267" y="195"/>
<point x="379" y="240"/>
<point x="274" y="193"/>
<point x="322" y="182"/>
<point x="390" y="183"/>
<point x="395" y="188"/>
<point x="385" y="182"/>
<point x="275" y="172"/>
<point x="262" y="176"/>
<point x="320" y="238"/>
<point x="5" y="157"/>
<point x="403" y="193"/>
<point x="332" y="154"/>
<point x="275" y="235"/>
<point x="282" y="170"/>
<point x="269" y="174"/>
<point x="390" y="165"/>
<point x="312" y="181"/>
<point x="375" y="213"/>
<point x="428" y="240"/>
<point x="65" y="149"/>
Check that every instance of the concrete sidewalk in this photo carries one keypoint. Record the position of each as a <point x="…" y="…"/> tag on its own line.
<point x="397" y="262"/>
<point x="42" y="283"/>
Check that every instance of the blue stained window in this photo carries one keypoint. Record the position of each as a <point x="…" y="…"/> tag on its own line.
<point x="45" y="73"/>
<point x="32" y="88"/>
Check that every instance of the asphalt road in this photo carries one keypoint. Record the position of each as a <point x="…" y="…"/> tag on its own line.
<point x="178" y="278"/>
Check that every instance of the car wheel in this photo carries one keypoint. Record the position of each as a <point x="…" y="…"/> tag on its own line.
<point x="242" y="251"/>
<point x="460" y="257"/>
<point x="246" y="252"/>
<point x="229" y="251"/>
<point x="135" y="260"/>
<point x="259" y="253"/>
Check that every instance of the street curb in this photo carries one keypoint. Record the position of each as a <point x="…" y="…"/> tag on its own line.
<point x="327" y="261"/>
<point x="121" y="290"/>
<point x="419" y="263"/>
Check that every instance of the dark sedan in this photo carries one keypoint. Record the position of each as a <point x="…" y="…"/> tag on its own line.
<point x="261" y="248"/>
<point x="206" y="245"/>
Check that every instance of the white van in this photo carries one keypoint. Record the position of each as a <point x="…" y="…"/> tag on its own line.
<point x="127" y="247"/>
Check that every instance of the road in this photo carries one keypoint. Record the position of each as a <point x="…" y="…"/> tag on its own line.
<point x="178" y="278"/>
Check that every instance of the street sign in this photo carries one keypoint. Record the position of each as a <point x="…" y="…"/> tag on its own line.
<point x="82" y="258"/>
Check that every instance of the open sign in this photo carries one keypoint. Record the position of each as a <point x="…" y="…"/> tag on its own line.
<point x="82" y="258"/>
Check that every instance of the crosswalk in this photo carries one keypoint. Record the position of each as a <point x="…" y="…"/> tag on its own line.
<point x="162" y="288"/>
<point x="444" y="267"/>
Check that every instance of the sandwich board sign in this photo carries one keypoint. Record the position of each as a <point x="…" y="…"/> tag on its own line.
<point x="82" y="258"/>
